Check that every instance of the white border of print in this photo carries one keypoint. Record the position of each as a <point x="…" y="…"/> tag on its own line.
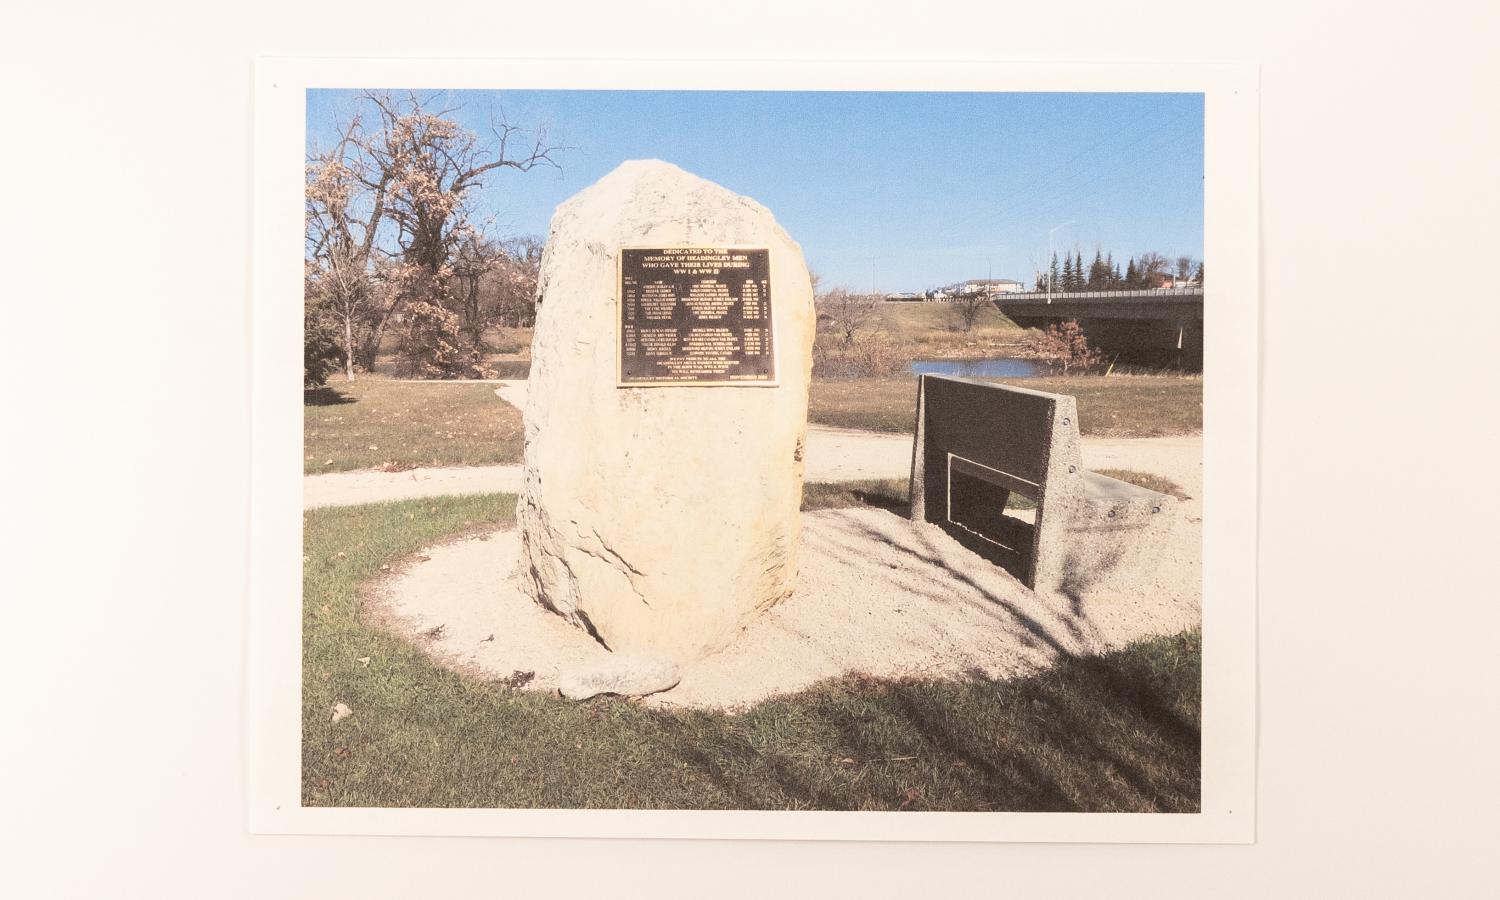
<point x="1231" y="201"/>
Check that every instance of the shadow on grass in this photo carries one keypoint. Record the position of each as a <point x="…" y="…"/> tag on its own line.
<point x="1111" y="733"/>
<point x="1115" y="733"/>
<point x="324" y="396"/>
<point x="887" y="494"/>
<point x="899" y="505"/>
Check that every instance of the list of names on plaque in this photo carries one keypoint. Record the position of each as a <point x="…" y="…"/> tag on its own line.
<point x="695" y="315"/>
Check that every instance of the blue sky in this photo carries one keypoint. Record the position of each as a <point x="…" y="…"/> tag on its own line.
<point x="899" y="191"/>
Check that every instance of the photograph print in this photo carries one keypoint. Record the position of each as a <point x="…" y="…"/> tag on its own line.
<point x="753" y="450"/>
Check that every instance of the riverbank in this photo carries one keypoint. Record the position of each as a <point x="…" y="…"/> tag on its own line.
<point x="899" y="337"/>
<point x="936" y="331"/>
<point x="390" y="425"/>
<point x="919" y="330"/>
<point x="1124" y="406"/>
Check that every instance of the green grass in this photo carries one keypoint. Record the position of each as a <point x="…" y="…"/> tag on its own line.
<point x="885" y="493"/>
<point x="894" y="493"/>
<point x="1147" y="480"/>
<point x="872" y="404"/>
<point x="377" y="422"/>
<point x="1109" y="733"/>
<point x="1117" y="406"/>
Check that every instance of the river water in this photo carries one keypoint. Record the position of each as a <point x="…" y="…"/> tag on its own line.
<point x="995" y="367"/>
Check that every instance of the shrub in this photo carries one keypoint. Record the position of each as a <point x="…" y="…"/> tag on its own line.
<point x="321" y="351"/>
<point x="846" y="314"/>
<point x="872" y="356"/>
<point x="431" y="346"/>
<point x="1066" y="348"/>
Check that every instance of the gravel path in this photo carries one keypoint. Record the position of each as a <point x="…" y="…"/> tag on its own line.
<point x="370" y="486"/>
<point x="833" y="454"/>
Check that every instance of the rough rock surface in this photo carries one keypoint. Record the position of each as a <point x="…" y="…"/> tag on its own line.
<point x="626" y="674"/>
<point x="660" y="519"/>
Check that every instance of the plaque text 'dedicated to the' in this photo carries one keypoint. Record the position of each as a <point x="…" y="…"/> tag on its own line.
<point x="695" y="315"/>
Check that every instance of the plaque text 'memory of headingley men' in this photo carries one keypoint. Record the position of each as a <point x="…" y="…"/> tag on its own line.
<point x="695" y="315"/>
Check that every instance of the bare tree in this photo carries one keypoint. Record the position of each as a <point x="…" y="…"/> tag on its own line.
<point x="969" y="306"/>
<point x="432" y="164"/>
<point x="515" y="281"/>
<point x="388" y="217"/>
<point x="341" y="232"/>
<point x="847" y="313"/>
<point x="473" y="261"/>
<point x="1152" y="264"/>
<point x="1184" y="267"/>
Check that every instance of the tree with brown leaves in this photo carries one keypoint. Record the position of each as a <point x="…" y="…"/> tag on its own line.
<point x="1066" y="348"/>
<point x="396" y="188"/>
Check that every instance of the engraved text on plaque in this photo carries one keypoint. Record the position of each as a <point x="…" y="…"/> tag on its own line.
<point x="695" y="315"/>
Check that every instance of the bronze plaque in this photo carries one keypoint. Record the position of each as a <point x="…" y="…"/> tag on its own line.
<point x="696" y="315"/>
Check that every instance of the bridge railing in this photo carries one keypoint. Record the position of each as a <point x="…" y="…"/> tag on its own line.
<point x="1007" y="296"/>
<point x="1145" y="293"/>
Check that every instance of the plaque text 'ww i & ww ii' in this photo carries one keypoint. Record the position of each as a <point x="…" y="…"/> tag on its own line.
<point x="695" y="315"/>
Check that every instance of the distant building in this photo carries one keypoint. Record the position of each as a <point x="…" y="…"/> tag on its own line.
<point x="903" y="297"/>
<point x="991" y="286"/>
<point x="1160" y="280"/>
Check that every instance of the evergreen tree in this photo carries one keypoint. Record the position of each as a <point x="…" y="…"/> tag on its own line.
<point x="1198" y="275"/>
<point x="1132" y="276"/>
<point x="1098" y="273"/>
<point x="1052" y="276"/>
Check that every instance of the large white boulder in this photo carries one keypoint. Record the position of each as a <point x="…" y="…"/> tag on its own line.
<point x="661" y="519"/>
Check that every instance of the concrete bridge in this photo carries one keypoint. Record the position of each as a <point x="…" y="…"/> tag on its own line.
<point x="1157" y="327"/>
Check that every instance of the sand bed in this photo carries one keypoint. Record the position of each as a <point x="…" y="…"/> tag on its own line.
<point x="876" y="595"/>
